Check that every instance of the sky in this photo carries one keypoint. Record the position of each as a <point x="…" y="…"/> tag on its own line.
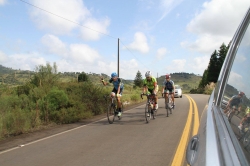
<point x="161" y="36"/>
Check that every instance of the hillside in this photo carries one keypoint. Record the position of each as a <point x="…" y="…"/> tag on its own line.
<point x="18" y="77"/>
<point x="186" y="80"/>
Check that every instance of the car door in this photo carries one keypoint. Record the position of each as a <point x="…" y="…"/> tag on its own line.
<point x="217" y="141"/>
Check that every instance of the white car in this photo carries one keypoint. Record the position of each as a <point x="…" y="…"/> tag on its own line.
<point x="178" y="91"/>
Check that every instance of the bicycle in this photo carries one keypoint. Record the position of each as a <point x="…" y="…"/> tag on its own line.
<point x="150" y="110"/>
<point x="112" y="109"/>
<point x="244" y="133"/>
<point x="232" y="111"/>
<point x="168" y="103"/>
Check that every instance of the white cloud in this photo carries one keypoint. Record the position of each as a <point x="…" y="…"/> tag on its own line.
<point x="167" y="6"/>
<point x="177" y="65"/>
<point x="54" y="45"/>
<point x="82" y="54"/>
<point x="3" y="2"/>
<point x="25" y="61"/>
<point x="140" y="43"/>
<point x="236" y="80"/>
<point x="199" y="64"/>
<point x="59" y="17"/>
<point x="161" y="52"/>
<point x="3" y="57"/>
<point x="98" y="28"/>
<point x="215" y="24"/>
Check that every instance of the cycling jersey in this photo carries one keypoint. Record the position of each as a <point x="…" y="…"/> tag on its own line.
<point x="235" y="100"/>
<point x="117" y="83"/>
<point x="150" y="84"/>
<point x="247" y="110"/>
<point x="169" y="85"/>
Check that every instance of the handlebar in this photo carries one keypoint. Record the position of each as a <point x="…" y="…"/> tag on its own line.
<point x="142" y="94"/>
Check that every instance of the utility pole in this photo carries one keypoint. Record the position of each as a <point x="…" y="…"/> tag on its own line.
<point x="118" y="59"/>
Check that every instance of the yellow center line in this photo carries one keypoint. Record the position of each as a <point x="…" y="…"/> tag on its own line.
<point x="180" y="152"/>
<point x="196" y="118"/>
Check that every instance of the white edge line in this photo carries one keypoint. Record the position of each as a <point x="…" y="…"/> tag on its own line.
<point x="8" y="150"/>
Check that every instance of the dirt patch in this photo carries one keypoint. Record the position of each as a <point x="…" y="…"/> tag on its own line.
<point x="23" y="139"/>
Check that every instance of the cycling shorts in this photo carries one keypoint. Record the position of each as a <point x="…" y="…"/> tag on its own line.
<point x="168" y="91"/>
<point x="115" y="91"/>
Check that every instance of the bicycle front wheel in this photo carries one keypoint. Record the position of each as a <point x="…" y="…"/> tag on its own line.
<point x="231" y="114"/>
<point x="111" y="114"/>
<point x="147" y="113"/>
<point x="246" y="139"/>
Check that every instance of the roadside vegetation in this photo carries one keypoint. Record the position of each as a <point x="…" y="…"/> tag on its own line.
<point x="30" y="101"/>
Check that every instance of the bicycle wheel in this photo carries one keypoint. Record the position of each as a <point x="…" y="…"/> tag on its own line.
<point x="154" y="113"/>
<point x="230" y="115"/>
<point x="148" y="113"/>
<point x="111" y="113"/>
<point x="166" y="105"/>
<point x="246" y="139"/>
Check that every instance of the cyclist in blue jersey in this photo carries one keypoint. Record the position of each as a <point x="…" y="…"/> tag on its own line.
<point x="168" y="87"/>
<point x="236" y="100"/>
<point x="117" y="90"/>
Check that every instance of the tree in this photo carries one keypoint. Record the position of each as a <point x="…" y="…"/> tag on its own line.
<point x="138" y="81"/>
<point x="83" y="77"/>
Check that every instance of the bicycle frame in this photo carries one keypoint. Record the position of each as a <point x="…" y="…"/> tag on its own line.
<point x="231" y="112"/>
<point x="168" y="103"/>
<point x="111" y="112"/>
<point x="150" y="107"/>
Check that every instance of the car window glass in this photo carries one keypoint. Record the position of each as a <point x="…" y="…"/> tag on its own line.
<point x="236" y="98"/>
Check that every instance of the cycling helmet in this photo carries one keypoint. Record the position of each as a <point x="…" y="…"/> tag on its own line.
<point x="168" y="76"/>
<point x="114" y="75"/>
<point x="148" y="74"/>
<point x="241" y="93"/>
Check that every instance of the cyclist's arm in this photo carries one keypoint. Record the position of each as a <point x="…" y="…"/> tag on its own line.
<point x="119" y="87"/>
<point x="155" y="87"/>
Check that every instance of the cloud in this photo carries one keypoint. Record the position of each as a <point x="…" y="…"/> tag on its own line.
<point x="177" y="65"/>
<point x="140" y="43"/>
<point x="82" y="54"/>
<point x="199" y="63"/>
<point x="167" y="6"/>
<point x="3" y="57"/>
<point x="215" y="23"/>
<point x="54" y="45"/>
<point x="161" y="52"/>
<point x="25" y="61"/>
<point x="3" y="2"/>
<point x="98" y="28"/>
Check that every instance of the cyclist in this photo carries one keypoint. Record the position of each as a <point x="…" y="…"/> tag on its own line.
<point x="235" y="101"/>
<point x="245" y="118"/>
<point x="117" y="90"/>
<point x="168" y="87"/>
<point x="150" y="86"/>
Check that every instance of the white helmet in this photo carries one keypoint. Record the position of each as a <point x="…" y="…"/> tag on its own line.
<point x="148" y="74"/>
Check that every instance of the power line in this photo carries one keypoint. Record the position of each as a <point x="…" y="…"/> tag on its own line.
<point x="81" y="26"/>
<point x="67" y="19"/>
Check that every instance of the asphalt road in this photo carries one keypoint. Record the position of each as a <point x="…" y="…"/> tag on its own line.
<point x="130" y="141"/>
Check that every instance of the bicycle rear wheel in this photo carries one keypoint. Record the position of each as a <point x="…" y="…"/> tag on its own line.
<point x="154" y="113"/>
<point x="111" y="113"/>
<point x="147" y="113"/>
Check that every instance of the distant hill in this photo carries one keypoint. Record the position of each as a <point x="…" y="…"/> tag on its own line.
<point x="186" y="80"/>
<point x="18" y="77"/>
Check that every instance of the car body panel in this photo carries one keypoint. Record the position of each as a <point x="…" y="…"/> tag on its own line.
<point x="178" y="91"/>
<point x="216" y="142"/>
